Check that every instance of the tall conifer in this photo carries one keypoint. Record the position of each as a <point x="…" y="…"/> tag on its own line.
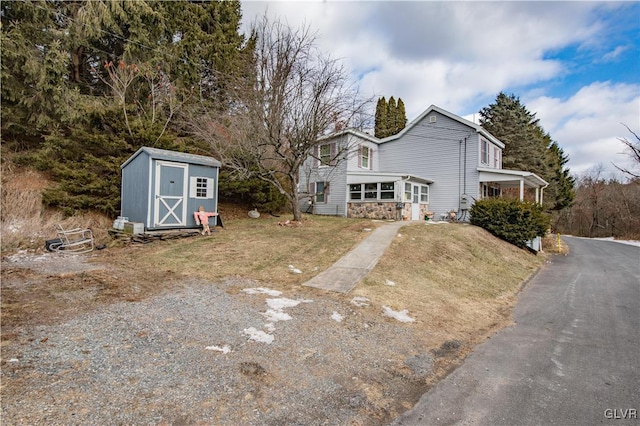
<point x="381" y="118"/>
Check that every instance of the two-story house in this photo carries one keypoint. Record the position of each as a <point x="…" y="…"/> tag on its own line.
<point x="437" y="164"/>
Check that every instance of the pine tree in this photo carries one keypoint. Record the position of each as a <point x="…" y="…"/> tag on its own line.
<point x="392" y="113"/>
<point x="529" y="147"/>
<point x="401" y="120"/>
<point x="381" y="118"/>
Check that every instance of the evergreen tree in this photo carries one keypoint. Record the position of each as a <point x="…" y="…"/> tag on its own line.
<point x="86" y="83"/>
<point x="401" y="117"/>
<point x="392" y="112"/>
<point x="562" y="184"/>
<point x="381" y="118"/>
<point x="529" y="147"/>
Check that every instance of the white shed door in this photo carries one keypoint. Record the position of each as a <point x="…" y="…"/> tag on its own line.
<point x="170" y="194"/>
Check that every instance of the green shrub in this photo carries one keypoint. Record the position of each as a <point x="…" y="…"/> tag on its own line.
<point x="516" y="222"/>
<point x="253" y="193"/>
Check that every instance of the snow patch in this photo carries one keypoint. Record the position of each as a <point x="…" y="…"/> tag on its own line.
<point x="224" y="349"/>
<point x="389" y="283"/>
<point x="336" y="317"/>
<point x="276" y="315"/>
<point x="294" y="270"/>
<point x="262" y="290"/>
<point x="283" y="302"/>
<point x="402" y="316"/>
<point x="258" y="335"/>
<point x="360" y="301"/>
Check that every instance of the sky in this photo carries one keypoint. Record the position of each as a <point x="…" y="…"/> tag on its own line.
<point x="576" y="65"/>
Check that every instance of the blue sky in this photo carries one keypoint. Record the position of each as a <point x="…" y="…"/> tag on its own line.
<point x="575" y="64"/>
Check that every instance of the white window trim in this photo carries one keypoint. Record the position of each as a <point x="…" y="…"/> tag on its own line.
<point x="378" y="192"/>
<point x="193" y="187"/>
<point x="364" y="157"/>
<point x="484" y="159"/>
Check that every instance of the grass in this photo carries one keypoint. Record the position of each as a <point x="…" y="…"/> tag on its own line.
<point x="458" y="281"/>
<point x="263" y="250"/>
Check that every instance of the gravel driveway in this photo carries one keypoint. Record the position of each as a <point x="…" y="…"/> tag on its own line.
<point x="229" y="353"/>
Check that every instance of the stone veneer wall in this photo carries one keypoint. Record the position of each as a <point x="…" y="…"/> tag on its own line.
<point x="374" y="210"/>
<point x="383" y="210"/>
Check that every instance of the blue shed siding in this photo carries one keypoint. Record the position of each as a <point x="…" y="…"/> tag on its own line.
<point x="210" y="205"/>
<point x="139" y="180"/>
<point x="136" y="179"/>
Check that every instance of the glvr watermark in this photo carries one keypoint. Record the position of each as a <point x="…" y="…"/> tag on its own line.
<point x="621" y="413"/>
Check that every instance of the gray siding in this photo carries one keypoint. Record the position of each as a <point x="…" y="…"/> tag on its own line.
<point x="437" y="151"/>
<point x="336" y="204"/>
<point x="134" y="201"/>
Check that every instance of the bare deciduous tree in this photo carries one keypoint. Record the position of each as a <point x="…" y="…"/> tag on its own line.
<point x="632" y="150"/>
<point x="274" y="119"/>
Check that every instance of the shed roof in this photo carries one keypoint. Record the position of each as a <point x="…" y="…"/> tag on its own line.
<point x="182" y="157"/>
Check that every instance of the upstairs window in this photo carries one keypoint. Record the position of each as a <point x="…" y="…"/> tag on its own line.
<point x="365" y="155"/>
<point x="325" y="154"/>
<point x="484" y="151"/>
<point x="496" y="157"/>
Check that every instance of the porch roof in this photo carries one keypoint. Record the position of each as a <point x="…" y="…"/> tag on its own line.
<point x="512" y="178"/>
<point x="370" y="177"/>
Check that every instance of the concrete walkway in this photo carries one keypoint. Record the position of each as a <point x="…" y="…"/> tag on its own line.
<point x="347" y="272"/>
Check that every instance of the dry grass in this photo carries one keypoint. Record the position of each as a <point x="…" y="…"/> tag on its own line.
<point x="23" y="222"/>
<point x="458" y="281"/>
<point x="263" y="250"/>
<point x="553" y="244"/>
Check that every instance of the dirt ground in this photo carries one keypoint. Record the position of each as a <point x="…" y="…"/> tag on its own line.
<point x="339" y="362"/>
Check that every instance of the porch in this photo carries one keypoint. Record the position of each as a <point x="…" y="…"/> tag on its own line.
<point x="499" y="179"/>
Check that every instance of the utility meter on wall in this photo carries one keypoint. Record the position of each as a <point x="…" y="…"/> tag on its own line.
<point x="464" y="202"/>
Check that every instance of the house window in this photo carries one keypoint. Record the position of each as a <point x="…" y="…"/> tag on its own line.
<point x="484" y="151"/>
<point x="355" y="191"/>
<point x="364" y="158"/>
<point x="325" y="154"/>
<point x="424" y="194"/>
<point x="372" y="191"/>
<point x="201" y="187"/>
<point x="387" y="191"/>
<point x="407" y="191"/>
<point x="320" y="192"/>
<point x="496" y="157"/>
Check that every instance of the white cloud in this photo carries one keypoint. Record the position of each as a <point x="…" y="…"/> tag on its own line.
<point x="588" y="124"/>
<point x="459" y="54"/>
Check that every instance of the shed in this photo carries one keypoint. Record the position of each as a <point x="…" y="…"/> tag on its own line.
<point x="162" y="189"/>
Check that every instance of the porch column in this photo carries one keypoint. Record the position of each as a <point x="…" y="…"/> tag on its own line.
<point x="541" y="195"/>
<point x="538" y="195"/>
<point x="521" y="189"/>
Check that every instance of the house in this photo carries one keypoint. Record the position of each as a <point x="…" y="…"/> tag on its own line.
<point x="439" y="163"/>
<point x="162" y="189"/>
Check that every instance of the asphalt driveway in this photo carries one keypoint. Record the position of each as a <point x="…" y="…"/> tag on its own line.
<point x="571" y="359"/>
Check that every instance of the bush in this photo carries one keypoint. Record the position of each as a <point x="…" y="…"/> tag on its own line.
<point x="252" y="193"/>
<point x="516" y="222"/>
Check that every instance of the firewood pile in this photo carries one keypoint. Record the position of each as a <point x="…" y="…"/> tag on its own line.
<point x="152" y="236"/>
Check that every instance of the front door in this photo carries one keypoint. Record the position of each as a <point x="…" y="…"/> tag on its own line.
<point x="415" y="202"/>
<point x="170" y="194"/>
